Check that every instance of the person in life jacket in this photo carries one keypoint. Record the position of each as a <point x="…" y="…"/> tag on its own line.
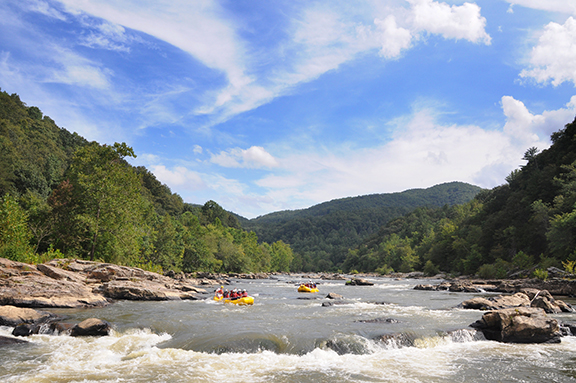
<point x="220" y="292"/>
<point x="244" y="293"/>
<point x="226" y="294"/>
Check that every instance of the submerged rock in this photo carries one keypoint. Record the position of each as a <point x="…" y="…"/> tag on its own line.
<point x="378" y="320"/>
<point x="336" y="303"/>
<point x="519" y="325"/>
<point x="397" y="340"/>
<point x="6" y="341"/>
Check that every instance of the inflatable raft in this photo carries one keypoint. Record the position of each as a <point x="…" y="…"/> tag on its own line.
<point x="306" y="289"/>
<point x="238" y="301"/>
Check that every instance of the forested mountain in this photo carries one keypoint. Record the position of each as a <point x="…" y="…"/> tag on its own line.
<point x="529" y="223"/>
<point x="322" y="234"/>
<point x="62" y="196"/>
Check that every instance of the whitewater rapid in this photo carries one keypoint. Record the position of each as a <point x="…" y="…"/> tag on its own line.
<point x="289" y="337"/>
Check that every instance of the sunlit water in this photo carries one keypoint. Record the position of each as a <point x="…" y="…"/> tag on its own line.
<point x="288" y="336"/>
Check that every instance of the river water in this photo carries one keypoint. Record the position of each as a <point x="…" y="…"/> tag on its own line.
<point x="288" y="336"/>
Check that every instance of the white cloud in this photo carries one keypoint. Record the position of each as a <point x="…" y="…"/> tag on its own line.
<point x="257" y="156"/>
<point x="563" y="6"/>
<point x="526" y="128"/>
<point x="554" y="57"/>
<point x="452" y="22"/>
<point x="81" y="75"/>
<point x="393" y="38"/>
<point x="179" y="177"/>
<point x="254" y="157"/>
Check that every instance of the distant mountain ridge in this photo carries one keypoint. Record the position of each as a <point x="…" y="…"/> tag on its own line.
<point x="450" y="193"/>
<point x="323" y="233"/>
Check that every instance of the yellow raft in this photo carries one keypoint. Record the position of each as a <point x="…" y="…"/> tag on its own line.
<point x="306" y="289"/>
<point x="238" y="301"/>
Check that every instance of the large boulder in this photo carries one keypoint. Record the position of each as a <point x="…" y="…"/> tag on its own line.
<point x="141" y="291"/>
<point x="25" y="285"/>
<point x="499" y="302"/>
<point x="91" y="327"/>
<point x="526" y="298"/>
<point x="13" y="316"/>
<point x="59" y="274"/>
<point x="42" y="291"/>
<point x="519" y="325"/>
<point x="359" y="282"/>
<point x="463" y="286"/>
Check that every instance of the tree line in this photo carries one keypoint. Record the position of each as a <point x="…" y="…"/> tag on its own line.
<point x="62" y="196"/>
<point x="322" y="234"/>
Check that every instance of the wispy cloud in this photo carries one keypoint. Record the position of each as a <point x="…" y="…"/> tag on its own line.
<point x="320" y="38"/>
<point x="563" y="6"/>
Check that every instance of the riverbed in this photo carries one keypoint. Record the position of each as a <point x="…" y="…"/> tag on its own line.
<point x="288" y="336"/>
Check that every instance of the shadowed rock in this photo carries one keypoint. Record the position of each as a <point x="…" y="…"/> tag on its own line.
<point x="91" y="327"/>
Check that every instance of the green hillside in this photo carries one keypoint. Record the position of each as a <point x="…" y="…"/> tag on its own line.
<point x="322" y="234"/>
<point x="62" y="196"/>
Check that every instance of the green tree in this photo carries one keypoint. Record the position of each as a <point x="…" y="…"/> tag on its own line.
<point x="281" y="255"/>
<point x="104" y="204"/>
<point x="168" y="248"/>
<point x="14" y="233"/>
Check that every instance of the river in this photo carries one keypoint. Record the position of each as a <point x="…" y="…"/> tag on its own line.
<point x="288" y="336"/>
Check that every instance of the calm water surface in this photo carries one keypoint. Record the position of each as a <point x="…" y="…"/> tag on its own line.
<point x="288" y="336"/>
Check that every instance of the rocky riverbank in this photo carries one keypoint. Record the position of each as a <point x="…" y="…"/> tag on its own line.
<point x="555" y="286"/>
<point x="66" y="283"/>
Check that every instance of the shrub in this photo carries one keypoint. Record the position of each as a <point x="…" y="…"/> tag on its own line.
<point x="14" y="232"/>
<point x="541" y="274"/>
<point x="569" y="266"/>
<point x="430" y="269"/>
<point x="384" y="270"/>
<point x="487" y="271"/>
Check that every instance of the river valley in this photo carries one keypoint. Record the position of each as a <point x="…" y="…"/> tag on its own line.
<point x="288" y="336"/>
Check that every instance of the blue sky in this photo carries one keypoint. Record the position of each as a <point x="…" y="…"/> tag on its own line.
<point x="268" y="105"/>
